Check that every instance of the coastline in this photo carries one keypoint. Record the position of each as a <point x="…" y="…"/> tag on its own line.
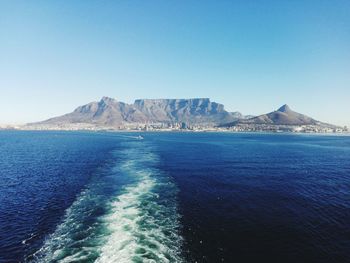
<point x="337" y="133"/>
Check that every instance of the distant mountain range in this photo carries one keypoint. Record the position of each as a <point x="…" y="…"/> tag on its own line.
<point x="109" y="112"/>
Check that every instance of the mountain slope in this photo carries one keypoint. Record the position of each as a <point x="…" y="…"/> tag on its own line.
<point x="110" y="112"/>
<point x="283" y="116"/>
<point x="107" y="112"/>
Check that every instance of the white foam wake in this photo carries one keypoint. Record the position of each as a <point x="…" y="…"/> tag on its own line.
<point x="128" y="214"/>
<point x="140" y="228"/>
<point x="123" y="224"/>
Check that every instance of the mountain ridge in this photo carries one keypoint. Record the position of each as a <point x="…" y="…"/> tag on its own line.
<point x="109" y="112"/>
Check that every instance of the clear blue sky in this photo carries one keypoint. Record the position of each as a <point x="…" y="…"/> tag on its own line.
<point x="252" y="56"/>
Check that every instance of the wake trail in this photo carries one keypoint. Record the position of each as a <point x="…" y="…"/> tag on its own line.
<point x="137" y="221"/>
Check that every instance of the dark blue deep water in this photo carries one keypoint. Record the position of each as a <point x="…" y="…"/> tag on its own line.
<point x="174" y="197"/>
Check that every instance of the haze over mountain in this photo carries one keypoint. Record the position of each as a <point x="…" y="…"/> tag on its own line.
<point x="110" y="112"/>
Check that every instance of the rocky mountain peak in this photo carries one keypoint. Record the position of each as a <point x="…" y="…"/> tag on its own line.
<point x="285" y="108"/>
<point x="107" y="100"/>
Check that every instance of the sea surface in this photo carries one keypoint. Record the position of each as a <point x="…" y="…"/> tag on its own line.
<point x="174" y="197"/>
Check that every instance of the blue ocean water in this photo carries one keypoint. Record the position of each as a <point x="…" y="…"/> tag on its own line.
<point x="174" y="197"/>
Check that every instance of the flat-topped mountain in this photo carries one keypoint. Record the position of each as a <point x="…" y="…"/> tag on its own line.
<point x="110" y="112"/>
<point x="194" y="111"/>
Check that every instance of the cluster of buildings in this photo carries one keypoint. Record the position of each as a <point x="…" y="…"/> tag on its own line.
<point x="180" y="126"/>
<point x="288" y="128"/>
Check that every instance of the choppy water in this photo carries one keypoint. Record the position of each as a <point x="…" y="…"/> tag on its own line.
<point x="174" y="197"/>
